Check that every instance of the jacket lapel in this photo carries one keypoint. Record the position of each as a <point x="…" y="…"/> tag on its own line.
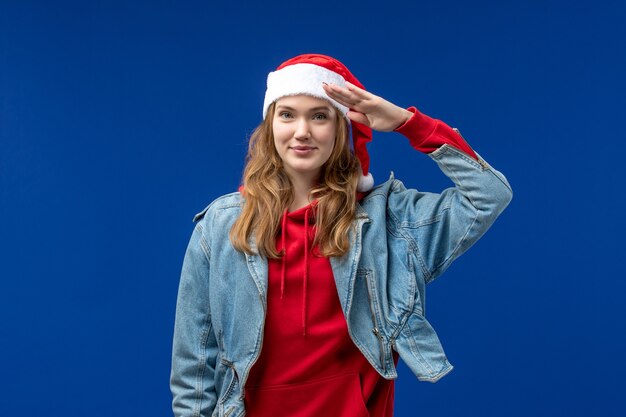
<point x="257" y="265"/>
<point x="345" y="267"/>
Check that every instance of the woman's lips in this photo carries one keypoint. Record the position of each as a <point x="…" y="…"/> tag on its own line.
<point x="302" y="150"/>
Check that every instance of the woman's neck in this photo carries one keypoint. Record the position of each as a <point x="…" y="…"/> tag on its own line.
<point x="301" y="188"/>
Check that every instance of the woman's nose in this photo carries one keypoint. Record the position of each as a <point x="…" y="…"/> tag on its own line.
<point x="303" y="131"/>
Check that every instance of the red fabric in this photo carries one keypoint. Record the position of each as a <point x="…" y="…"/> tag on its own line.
<point x="319" y="372"/>
<point x="427" y="134"/>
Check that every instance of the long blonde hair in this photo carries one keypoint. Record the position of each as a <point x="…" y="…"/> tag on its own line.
<point x="267" y="192"/>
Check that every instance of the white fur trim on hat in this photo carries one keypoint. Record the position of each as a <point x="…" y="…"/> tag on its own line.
<point x="301" y="79"/>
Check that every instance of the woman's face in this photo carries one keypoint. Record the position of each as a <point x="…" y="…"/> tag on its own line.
<point x="304" y="134"/>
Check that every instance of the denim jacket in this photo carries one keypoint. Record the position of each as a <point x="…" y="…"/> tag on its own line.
<point x="402" y="239"/>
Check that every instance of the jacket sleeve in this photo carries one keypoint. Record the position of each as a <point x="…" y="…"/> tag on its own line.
<point x="441" y="227"/>
<point x="194" y="350"/>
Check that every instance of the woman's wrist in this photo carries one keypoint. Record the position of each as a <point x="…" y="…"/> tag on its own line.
<point x="406" y="116"/>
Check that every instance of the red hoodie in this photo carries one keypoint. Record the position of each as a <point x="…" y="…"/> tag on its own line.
<point x="309" y="366"/>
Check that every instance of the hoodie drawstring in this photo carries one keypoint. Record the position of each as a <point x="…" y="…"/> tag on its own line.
<point x="305" y="278"/>
<point x="306" y="269"/>
<point x="284" y="258"/>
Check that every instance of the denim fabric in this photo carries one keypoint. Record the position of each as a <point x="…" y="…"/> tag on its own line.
<point x="402" y="240"/>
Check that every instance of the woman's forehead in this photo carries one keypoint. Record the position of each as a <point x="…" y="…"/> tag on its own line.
<point x="304" y="102"/>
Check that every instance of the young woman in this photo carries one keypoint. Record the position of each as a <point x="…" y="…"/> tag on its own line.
<point x="300" y="292"/>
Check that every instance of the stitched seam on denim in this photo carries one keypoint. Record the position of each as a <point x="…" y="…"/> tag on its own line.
<point x="203" y="244"/>
<point x="484" y="166"/>
<point x="436" y="377"/>
<point x="508" y="186"/>
<point x="449" y="148"/>
<point x="353" y="272"/>
<point x="367" y="354"/>
<point x="423" y="265"/>
<point x="228" y="206"/>
<point x="463" y="238"/>
<point x="206" y="329"/>
<point x="456" y="249"/>
<point x="379" y="320"/>
<point x="413" y="281"/>
<point x="401" y="323"/>
<point x="369" y="281"/>
<point x="400" y="313"/>
<point x="257" y="349"/>
<point x="397" y="312"/>
<point x="397" y="186"/>
<point x="457" y="182"/>
<point x="416" y="351"/>
<point x="206" y="249"/>
<point x="393" y="231"/>
<point x="453" y="253"/>
<point x="392" y="224"/>
<point x="395" y="331"/>
<point x="402" y="234"/>
<point x="231" y="385"/>
<point x="392" y="216"/>
<point x="495" y="174"/>
<point x="425" y="222"/>
<point x="414" y="247"/>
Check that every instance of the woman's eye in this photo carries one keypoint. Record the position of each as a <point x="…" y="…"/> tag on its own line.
<point x="320" y="116"/>
<point x="285" y="115"/>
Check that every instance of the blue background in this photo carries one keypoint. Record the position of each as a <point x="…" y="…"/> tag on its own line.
<point x="121" y="120"/>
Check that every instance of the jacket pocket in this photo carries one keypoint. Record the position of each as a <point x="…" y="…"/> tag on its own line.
<point x="337" y="396"/>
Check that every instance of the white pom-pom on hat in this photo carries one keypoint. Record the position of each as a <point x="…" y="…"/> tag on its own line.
<point x="366" y="183"/>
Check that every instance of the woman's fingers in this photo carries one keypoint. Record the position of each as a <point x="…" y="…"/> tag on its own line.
<point x="358" y="117"/>
<point x="367" y="108"/>
<point x="342" y="95"/>
<point x="358" y="91"/>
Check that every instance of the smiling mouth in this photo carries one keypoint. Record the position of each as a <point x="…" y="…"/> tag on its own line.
<point x="302" y="150"/>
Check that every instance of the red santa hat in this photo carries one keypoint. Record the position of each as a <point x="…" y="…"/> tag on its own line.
<point x="304" y="74"/>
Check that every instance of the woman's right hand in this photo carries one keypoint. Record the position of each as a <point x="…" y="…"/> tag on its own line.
<point x="368" y="109"/>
